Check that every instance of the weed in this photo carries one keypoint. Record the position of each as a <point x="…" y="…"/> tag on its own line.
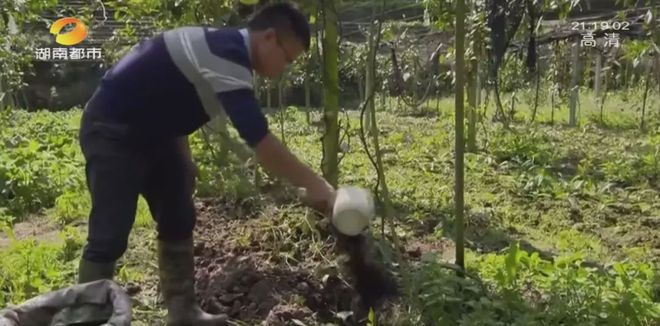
<point x="527" y="290"/>
<point x="574" y="193"/>
<point x="39" y="160"/>
<point x="30" y="268"/>
<point x="76" y="205"/>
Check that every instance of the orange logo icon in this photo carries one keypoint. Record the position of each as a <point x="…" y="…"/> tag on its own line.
<point x="72" y="37"/>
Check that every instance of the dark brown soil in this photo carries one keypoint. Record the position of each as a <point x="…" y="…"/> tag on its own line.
<point x="240" y="276"/>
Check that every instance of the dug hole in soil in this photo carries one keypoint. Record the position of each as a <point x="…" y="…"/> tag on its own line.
<point x="242" y="280"/>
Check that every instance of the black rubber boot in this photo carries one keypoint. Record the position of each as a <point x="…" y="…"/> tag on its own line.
<point x="176" y="266"/>
<point x="89" y="271"/>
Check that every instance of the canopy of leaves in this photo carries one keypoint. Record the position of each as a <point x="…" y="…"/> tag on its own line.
<point x="17" y="47"/>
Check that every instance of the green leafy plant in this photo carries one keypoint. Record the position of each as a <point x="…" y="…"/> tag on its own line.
<point x="30" y="268"/>
<point x="42" y="159"/>
<point x="527" y="290"/>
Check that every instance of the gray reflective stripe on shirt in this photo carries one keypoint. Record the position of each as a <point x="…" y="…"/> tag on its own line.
<point x="246" y="40"/>
<point x="209" y="73"/>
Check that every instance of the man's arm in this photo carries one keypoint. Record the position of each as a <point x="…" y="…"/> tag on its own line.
<point x="278" y="160"/>
<point x="184" y="147"/>
<point x="243" y="110"/>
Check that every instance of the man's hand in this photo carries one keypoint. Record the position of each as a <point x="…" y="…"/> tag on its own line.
<point x="320" y="196"/>
<point x="194" y="172"/>
<point x="191" y="167"/>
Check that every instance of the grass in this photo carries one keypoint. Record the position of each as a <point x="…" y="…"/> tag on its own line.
<point x="74" y="206"/>
<point x="570" y="194"/>
<point x="30" y="268"/>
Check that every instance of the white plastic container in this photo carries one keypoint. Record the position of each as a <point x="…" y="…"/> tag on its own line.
<point x="353" y="210"/>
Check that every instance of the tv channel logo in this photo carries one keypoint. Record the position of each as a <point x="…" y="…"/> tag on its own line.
<point x="71" y="37"/>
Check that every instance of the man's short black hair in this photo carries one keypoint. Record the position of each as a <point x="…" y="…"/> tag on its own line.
<point x="284" y="18"/>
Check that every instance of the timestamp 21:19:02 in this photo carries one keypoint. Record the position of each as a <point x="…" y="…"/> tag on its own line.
<point x="604" y="25"/>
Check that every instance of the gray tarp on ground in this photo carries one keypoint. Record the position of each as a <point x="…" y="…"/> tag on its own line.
<point x="96" y="303"/>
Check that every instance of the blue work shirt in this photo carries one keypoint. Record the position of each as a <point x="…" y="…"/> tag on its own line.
<point x="174" y="83"/>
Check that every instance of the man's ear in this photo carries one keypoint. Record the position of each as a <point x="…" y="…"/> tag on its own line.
<point x="270" y="33"/>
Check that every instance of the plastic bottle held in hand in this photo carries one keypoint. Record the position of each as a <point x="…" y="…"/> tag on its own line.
<point x="353" y="210"/>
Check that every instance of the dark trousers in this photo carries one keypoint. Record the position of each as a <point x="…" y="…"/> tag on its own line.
<point x="119" y="167"/>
